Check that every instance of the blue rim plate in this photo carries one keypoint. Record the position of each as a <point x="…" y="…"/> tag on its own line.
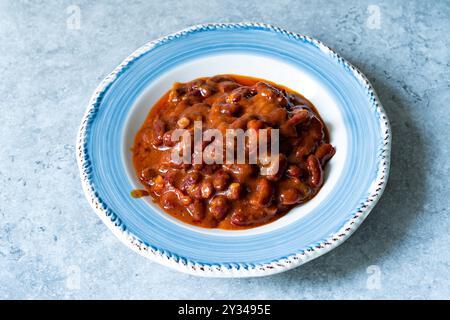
<point x="357" y="182"/>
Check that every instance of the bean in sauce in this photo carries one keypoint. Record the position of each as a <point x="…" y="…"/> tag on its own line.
<point x="232" y="196"/>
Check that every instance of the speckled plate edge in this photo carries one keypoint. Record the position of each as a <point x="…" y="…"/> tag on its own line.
<point x="240" y="270"/>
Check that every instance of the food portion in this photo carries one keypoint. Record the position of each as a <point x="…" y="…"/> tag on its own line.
<point x="234" y="194"/>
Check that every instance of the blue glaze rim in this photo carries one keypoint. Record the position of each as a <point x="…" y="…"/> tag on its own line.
<point x="163" y="256"/>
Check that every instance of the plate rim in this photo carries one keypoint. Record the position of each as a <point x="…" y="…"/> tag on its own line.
<point x="242" y="269"/>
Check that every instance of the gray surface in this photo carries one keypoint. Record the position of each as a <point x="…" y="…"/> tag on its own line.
<point x="52" y="245"/>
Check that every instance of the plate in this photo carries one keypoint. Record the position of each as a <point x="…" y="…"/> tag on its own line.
<point x="355" y="177"/>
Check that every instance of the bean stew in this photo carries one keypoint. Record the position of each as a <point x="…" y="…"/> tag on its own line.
<point x="232" y="195"/>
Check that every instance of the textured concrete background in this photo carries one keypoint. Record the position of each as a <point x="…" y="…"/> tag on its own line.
<point x="52" y="245"/>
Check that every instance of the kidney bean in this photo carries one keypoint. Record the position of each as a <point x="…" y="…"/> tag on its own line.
<point x="218" y="207"/>
<point x="185" y="200"/>
<point x="255" y="124"/>
<point x="207" y="189"/>
<point x="196" y="210"/>
<point x="271" y="210"/>
<point x="315" y="130"/>
<point x="227" y="86"/>
<point x="209" y="169"/>
<point x="315" y="171"/>
<point x="195" y="191"/>
<point x="275" y="169"/>
<point x="167" y="139"/>
<point x="289" y="196"/>
<point x="305" y="147"/>
<point x="159" y="128"/>
<point x="221" y="180"/>
<point x="196" y="112"/>
<point x="192" y="99"/>
<point x="234" y="191"/>
<point x="300" y="116"/>
<point x="177" y="92"/>
<point x="230" y="109"/>
<point x="171" y="177"/>
<point x="288" y="130"/>
<point x="240" y="171"/>
<point x="293" y="171"/>
<point x="249" y="216"/>
<point x="241" y="122"/>
<point x="238" y="218"/>
<point x="206" y="90"/>
<point x="221" y="78"/>
<point x="276" y="118"/>
<point x="304" y="189"/>
<point x="189" y="179"/>
<point x="267" y="90"/>
<point x="240" y="93"/>
<point x="168" y="200"/>
<point x="325" y="152"/>
<point x="263" y="194"/>
<point x="282" y="100"/>
<point x="193" y="87"/>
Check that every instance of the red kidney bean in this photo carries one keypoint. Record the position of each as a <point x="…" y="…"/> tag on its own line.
<point x="221" y="180"/>
<point x="299" y="117"/>
<point x="171" y="177"/>
<point x="289" y="196"/>
<point x="168" y="200"/>
<point x="207" y="189"/>
<point x="276" y="167"/>
<point x="255" y="124"/>
<point x="196" y="210"/>
<point x="227" y="86"/>
<point x="271" y="210"/>
<point x="267" y="90"/>
<point x="195" y="191"/>
<point x="241" y="122"/>
<point x="249" y="216"/>
<point x="167" y="139"/>
<point x="293" y="171"/>
<point x="221" y="78"/>
<point x="325" y="152"/>
<point x="209" y="169"/>
<point x="194" y="87"/>
<point x="315" y="130"/>
<point x="288" y="130"/>
<point x="263" y="194"/>
<point x="218" y="207"/>
<point x="276" y="118"/>
<point x="241" y="171"/>
<point x="234" y="191"/>
<point x="206" y="90"/>
<point x="159" y="128"/>
<point x="315" y="171"/>
<point x="240" y="93"/>
<point x="189" y="179"/>
<point x="230" y="109"/>
<point x="177" y="92"/>
<point x="305" y="147"/>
